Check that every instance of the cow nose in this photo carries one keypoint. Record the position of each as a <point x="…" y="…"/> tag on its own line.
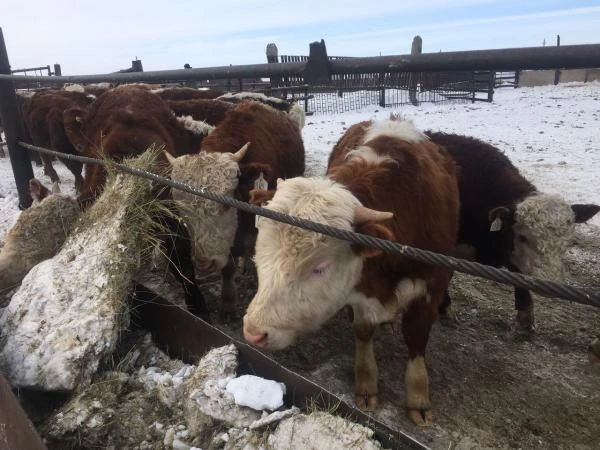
<point x="259" y="339"/>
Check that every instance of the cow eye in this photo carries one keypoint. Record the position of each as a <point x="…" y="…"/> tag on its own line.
<point x="321" y="268"/>
<point x="522" y="239"/>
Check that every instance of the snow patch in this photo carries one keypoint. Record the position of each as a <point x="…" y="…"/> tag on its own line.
<point x="256" y="392"/>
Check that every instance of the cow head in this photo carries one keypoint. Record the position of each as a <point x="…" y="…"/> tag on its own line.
<point x="211" y="224"/>
<point x="304" y="277"/>
<point x="73" y="119"/>
<point x="539" y="229"/>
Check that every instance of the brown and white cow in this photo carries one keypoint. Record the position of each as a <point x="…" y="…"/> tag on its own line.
<point x="292" y="108"/>
<point x="387" y="180"/>
<point x="126" y="121"/>
<point x="222" y="234"/>
<point x="506" y="220"/>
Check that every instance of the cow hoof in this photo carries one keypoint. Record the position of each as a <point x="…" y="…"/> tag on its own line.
<point x="525" y="321"/>
<point x="594" y="352"/>
<point x="366" y="402"/>
<point x="420" y="417"/>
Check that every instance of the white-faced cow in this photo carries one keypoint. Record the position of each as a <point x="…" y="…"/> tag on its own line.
<point x="507" y="220"/>
<point x="221" y="234"/>
<point x="387" y="180"/>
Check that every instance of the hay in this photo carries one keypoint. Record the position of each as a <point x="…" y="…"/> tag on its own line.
<point x="69" y="310"/>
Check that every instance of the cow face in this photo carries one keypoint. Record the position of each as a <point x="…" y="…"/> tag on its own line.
<point x="543" y="227"/>
<point x="304" y="277"/>
<point x="211" y="224"/>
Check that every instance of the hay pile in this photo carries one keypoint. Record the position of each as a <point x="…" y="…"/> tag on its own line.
<point x="69" y="310"/>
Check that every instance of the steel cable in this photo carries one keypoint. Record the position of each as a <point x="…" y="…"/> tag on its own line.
<point x="546" y="288"/>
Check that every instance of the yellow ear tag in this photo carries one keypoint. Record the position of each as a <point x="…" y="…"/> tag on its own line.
<point x="260" y="183"/>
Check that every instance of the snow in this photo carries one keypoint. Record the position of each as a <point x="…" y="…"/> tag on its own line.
<point x="256" y="392"/>
<point x="551" y="133"/>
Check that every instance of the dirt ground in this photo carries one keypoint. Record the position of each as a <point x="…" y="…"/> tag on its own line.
<point x="492" y="386"/>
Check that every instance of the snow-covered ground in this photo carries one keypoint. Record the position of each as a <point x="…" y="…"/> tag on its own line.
<point x="551" y="133"/>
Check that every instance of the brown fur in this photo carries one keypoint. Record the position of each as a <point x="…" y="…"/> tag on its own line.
<point x="43" y="119"/>
<point x="183" y="93"/>
<point x="122" y="122"/>
<point x="419" y="186"/>
<point x="210" y="111"/>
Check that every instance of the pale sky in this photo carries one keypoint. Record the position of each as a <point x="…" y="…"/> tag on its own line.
<point x="100" y="37"/>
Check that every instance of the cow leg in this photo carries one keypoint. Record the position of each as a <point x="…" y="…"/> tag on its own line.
<point x="48" y="169"/>
<point x="416" y="325"/>
<point x="228" y="292"/>
<point x="75" y="167"/>
<point x="365" y="366"/>
<point x="524" y="307"/>
<point x="179" y="256"/>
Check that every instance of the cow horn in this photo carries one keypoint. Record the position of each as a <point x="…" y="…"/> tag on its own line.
<point x="239" y="155"/>
<point x="363" y="214"/>
<point x="170" y="157"/>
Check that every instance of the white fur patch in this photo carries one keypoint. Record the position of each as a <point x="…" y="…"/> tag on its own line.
<point x="404" y="130"/>
<point x="417" y="383"/>
<point x="250" y="95"/>
<point x="543" y="228"/>
<point x="197" y="127"/>
<point x="297" y="115"/>
<point x="74" y="88"/>
<point x="368" y="155"/>
<point x="212" y="225"/>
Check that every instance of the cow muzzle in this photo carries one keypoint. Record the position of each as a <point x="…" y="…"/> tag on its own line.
<point x="255" y="336"/>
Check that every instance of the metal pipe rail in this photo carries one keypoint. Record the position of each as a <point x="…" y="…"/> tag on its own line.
<point x="543" y="287"/>
<point x="564" y="57"/>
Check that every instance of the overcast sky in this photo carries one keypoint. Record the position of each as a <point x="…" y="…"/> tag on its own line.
<point x="104" y="36"/>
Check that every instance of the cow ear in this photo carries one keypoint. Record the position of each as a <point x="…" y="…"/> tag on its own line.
<point x="498" y="217"/>
<point x="253" y="170"/>
<point x="375" y="230"/>
<point x="583" y="213"/>
<point x="73" y="119"/>
<point x="260" y="196"/>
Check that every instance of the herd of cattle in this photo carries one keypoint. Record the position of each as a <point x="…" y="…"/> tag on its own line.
<point x="435" y="191"/>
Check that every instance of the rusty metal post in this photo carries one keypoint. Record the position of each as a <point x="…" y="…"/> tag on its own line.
<point x="9" y="113"/>
<point x="416" y="49"/>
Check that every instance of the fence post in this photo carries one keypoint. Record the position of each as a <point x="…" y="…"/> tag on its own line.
<point x="557" y="72"/>
<point x="317" y="70"/>
<point x="273" y="58"/>
<point x="9" y="113"/>
<point x="57" y="71"/>
<point x="382" y="90"/>
<point x="416" y="49"/>
<point x="137" y="65"/>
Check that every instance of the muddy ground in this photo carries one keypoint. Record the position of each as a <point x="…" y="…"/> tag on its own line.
<point x="492" y="386"/>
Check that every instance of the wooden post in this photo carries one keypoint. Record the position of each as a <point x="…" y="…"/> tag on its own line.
<point x="557" y="72"/>
<point x="9" y="113"/>
<point x="273" y="58"/>
<point x="416" y="49"/>
<point x="382" y="90"/>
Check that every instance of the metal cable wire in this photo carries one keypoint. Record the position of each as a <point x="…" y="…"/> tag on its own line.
<point x="543" y="287"/>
